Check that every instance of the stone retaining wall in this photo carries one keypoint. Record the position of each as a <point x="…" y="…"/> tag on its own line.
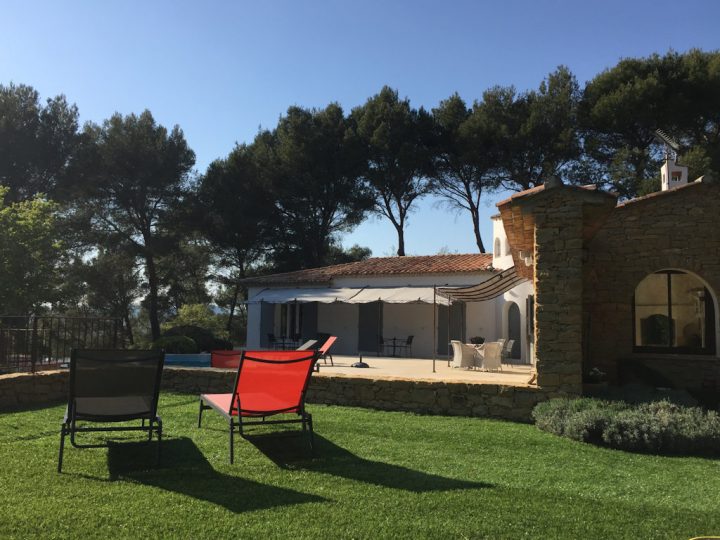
<point x="18" y="390"/>
<point x="431" y="397"/>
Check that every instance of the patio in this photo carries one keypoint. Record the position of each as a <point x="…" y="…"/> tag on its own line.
<point x="421" y="369"/>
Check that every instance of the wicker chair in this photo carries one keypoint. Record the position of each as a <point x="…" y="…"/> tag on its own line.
<point x="463" y="355"/>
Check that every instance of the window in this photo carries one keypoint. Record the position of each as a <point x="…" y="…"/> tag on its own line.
<point x="673" y="312"/>
<point x="496" y="251"/>
<point x="507" y="247"/>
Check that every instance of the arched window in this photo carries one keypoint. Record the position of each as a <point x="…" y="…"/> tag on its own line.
<point x="496" y="250"/>
<point x="507" y="247"/>
<point x="674" y="312"/>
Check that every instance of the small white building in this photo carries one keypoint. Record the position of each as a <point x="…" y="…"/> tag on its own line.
<point x="394" y="298"/>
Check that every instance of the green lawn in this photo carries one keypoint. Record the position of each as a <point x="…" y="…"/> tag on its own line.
<point x="374" y="475"/>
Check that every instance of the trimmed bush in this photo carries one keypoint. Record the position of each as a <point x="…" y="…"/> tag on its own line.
<point x="203" y="338"/>
<point x="665" y="428"/>
<point x="176" y="345"/>
<point x="659" y="427"/>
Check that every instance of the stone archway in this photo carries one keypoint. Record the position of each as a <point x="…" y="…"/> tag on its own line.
<point x="514" y="330"/>
<point x="675" y="311"/>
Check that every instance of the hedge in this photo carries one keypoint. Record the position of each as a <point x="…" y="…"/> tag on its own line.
<point x="659" y="427"/>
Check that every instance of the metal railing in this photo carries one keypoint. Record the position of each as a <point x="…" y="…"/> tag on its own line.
<point x="44" y="342"/>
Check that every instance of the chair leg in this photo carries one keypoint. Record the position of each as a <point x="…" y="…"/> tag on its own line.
<point x="232" y="448"/>
<point x="159" y="434"/>
<point x="200" y="413"/>
<point x="310" y="430"/>
<point x="62" y="448"/>
<point x="331" y="360"/>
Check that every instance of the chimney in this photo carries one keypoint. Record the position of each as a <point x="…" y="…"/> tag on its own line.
<point x="672" y="175"/>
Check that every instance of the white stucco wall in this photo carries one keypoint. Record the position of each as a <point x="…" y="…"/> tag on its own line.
<point x="480" y="320"/>
<point x="403" y="320"/>
<point x="504" y="260"/>
<point x="253" y="322"/>
<point x="340" y="320"/>
<point x="518" y="295"/>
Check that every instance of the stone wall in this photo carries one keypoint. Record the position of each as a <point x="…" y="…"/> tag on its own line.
<point x="677" y="229"/>
<point x="431" y="397"/>
<point x="552" y="222"/>
<point x="392" y="394"/>
<point x="18" y="390"/>
<point x="558" y="291"/>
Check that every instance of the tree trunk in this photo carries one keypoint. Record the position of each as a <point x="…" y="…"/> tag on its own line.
<point x="152" y="296"/>
<point x="233" y="303"/>
<point x="401" y="240"/>
<point x="128" y="328"/>
<point x="476" y="228"/>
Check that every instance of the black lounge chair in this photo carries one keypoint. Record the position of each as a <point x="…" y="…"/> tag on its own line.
<point x="111" y="386"/>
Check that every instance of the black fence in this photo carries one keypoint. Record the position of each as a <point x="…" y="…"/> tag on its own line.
<point x="36" y="343"/>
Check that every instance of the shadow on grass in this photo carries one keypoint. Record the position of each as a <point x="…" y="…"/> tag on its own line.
<point x="185" y="470"/>
<point x="329" y="458"/>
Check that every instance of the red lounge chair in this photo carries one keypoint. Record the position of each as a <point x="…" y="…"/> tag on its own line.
<point x="268" y="383"/>
<point x="324" y="350"/>
<point x="225" y="359"/>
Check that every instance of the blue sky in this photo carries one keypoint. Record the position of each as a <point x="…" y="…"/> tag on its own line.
<point x="222" y="69"/>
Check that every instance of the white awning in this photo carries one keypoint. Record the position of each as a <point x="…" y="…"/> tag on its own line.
<point x="350" y="295"/>
<point x="325" y="295"/>
<point x="487" y="290"/>
<point x="397" y="295"/>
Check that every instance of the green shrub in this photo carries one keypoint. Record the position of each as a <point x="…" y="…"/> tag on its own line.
<point x="204" y="339"/>
<point x="665" y="428"/>
<point x="556" y="415"/>
<point x="176" y="345"/>
<point x="659" y="427"/>
<point x="199" y="315"/>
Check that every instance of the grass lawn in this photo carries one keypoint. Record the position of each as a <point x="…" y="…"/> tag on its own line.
<point x="374" y="475"/>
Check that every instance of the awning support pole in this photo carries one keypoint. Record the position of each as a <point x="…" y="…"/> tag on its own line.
<point x="434" y="341"/>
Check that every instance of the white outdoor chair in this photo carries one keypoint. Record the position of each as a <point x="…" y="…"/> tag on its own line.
<point x="507" y="350"/>
<point x="492" y="356"/>
<point x="463" y="355"/>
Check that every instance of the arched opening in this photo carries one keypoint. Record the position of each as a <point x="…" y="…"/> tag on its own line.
<point x="507" y="247"/>
<point x="674" y="312"/>
<point x="496" y="249"/>
<point x="513" y="326"/>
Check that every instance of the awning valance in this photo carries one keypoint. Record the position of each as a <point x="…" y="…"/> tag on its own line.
<point x="326" y="295"/>
<point x="397" y="295"/>
<point x="487" y="290"/>
<point x="349" y="295"/>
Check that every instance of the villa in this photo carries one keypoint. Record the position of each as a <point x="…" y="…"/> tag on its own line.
<point x="392" y="298"/>
<point x="578" y="281"/>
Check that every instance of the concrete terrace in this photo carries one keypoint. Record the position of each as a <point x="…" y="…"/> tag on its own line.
<point x="421" y="369"/>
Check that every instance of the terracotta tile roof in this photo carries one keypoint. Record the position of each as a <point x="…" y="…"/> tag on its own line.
<point x="662" y="193"/>
<point x="384" y="266"/>
<point x="542" y="187"/>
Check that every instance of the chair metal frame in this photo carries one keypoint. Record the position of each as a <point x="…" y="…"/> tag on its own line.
<point x="407" y="346"/>
<point x="324" y="351"/>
